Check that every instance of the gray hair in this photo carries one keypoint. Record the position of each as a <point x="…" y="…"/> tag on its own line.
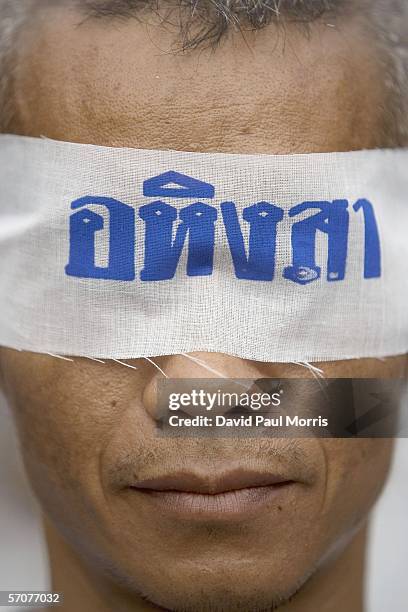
<point x="12" y="15"/>
<point x="390" y="24"/>
<point x="388" y="18"/>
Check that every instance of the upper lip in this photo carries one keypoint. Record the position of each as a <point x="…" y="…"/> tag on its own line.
<point x="211" y="484"/>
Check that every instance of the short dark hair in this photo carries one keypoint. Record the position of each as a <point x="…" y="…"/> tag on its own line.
<point x="205" y="22"/>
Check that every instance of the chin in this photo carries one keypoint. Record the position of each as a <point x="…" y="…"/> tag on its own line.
<point x="226" y="596"/>
<point x="230" y="586"/>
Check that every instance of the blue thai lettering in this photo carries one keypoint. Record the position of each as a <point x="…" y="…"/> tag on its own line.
<point x="182" y="186"/>
<point x="170" y="231"/>
<point x="372" y="248"/>
<point x="162" y="253"/>
<point x="83" y="227"/>
<point x="263" y="219"/>
<point x="200" y="219"/>
<point x="333" y="220"/>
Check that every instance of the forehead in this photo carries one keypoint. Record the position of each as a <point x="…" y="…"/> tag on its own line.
<point x="277" y="90"/>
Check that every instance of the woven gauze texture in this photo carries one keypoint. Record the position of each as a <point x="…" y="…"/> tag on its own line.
<point x="125" y="253"/>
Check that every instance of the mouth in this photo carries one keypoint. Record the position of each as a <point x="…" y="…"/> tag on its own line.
<point x="232" y="495"/>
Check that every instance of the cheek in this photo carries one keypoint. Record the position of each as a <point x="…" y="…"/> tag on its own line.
<point x="388" y="368"/>
<point x="356" y="472"/>
<point x="65" y="413"/>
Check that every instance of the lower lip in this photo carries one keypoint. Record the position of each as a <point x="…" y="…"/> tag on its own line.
<point x="230" y="504"/>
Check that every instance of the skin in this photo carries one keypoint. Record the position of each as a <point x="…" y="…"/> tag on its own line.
<point x="82" y="423"/>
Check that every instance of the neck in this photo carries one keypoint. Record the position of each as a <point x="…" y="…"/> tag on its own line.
<point x="338" y="586"/>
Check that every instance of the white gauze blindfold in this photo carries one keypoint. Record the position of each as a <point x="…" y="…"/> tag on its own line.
<point x="126" y="253"/>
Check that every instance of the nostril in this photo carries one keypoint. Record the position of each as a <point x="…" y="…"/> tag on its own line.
<point x="269" y="385"/>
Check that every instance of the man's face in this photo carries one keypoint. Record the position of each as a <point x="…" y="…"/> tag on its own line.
<point x="87" y="429"/>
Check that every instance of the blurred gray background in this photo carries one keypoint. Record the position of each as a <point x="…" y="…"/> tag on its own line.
<point x="23" y="564"/>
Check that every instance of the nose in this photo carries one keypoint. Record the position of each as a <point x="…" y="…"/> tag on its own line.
<point x="214" y="371"/>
